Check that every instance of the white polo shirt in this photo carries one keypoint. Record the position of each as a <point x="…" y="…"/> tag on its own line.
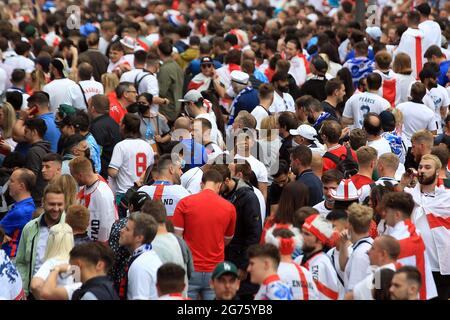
<point x="142" y="277"/>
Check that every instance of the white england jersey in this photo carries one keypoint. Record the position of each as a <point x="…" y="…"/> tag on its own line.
<point x="323" y="211"/>
<point x="57" y="90"/>
<point x="412" y="43"/>
<point x="131" y="157"/>
<point x="298" y="70"/>
<point x="357" y="267"/>
<point x="273" y="288"/>
<point x="75" y="96"/>
<point x="334" y="255"/>
<point x="282" y="103"/>
<point x="440" y="101"/>
<point x="432" y="34"/>
<point x="361" y="104"/>
<point x="10" y="280"/>
<point x="363" y="289"/>
<point x="300" y="280"/>
<point x="323" y="274"/>
<point x="99" y="199"/>
<point x="169" y="194"/>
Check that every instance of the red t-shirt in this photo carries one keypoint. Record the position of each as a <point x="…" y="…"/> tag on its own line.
<point x="360" y="180"/>
<point x="205" y="219"/>
<point x="116" y="111"/>
<point x="329" y="164"/>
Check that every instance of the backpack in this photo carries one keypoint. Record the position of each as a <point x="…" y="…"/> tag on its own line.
<point x="345" y="163"/>
<point x="138" y="82"/>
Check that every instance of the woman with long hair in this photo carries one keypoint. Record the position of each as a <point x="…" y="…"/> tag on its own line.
<point x="59" y="244"/>
<point x="294" y="196"/>
<point x="7" y="121"/>
<point x="402" y="67"/>
<point x="270" y="144"/>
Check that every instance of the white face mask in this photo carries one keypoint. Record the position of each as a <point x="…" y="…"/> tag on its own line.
<point x="294" y="144"/>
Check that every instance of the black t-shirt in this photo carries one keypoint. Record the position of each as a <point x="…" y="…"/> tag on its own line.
<point x="329" y="108"/>
<point x="315" y="87"/>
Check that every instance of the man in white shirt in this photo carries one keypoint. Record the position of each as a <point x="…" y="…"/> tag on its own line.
<point x="79" y="94"/>
<point x="412" y="43"/>
<point x="297" y="68"/>
<point x="416" y="115"/>
<point x="266" y="96"/>
<point x="372" y="125"/>
<point x="167" y="187"/>
<point x="97" y="196"/>
<point x="359" y="105"/>
<point x="108" y="35"/>
<point x="357" y="265"/>
<point x="437" y="97"/>
<point x="382" y="255"/>
<point x="282" y="100"/>
<point x="21" y="60"/>
<point x="140" y="280"/>
<point x="431" y="29"/>
<point x="57" y="89"/>
<point x="130" y="159"/>
<point x="245" y="142"/>
<point x="141" y="78"/>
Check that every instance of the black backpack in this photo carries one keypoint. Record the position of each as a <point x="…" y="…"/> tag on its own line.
<point x="345" y="163"/>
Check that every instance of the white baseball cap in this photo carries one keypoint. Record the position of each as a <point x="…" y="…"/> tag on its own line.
<point x="305" y="131"/>
<point x="239" y="77"/>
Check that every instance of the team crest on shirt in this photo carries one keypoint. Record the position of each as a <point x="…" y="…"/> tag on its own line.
<point x="7" y="269"/>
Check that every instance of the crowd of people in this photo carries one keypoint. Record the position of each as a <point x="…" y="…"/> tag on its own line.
<point x="228" y="150"/>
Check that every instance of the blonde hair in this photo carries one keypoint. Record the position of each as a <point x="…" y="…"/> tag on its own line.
<point x="60" y="242"/>
<point x="366" y="155"/>
<point x="9" y="119"/>
<point x="77" y="216"/>
<point x="37" y="80"/>
<point x="433" y="158"/>
<point x="423" y="136"/>
<point x="269" y="123"/>
<point x="389" y="160"/>
<point x="359" y="217"/>
<point x="110" y="81"/>
<point x="402" y="64"/>
<point x="69" y="186"/>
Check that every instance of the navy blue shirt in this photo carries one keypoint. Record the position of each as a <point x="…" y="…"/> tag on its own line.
<point x="314" y="185"/>
<point x="246" y="100"/>
<point x="52" y="134"/>
<point x="443" y="68"/>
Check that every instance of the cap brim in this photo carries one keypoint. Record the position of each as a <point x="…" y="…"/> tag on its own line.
<point x="225" y="272"/>
<point x="335" y="197"/>
<point x="294" y="132"/>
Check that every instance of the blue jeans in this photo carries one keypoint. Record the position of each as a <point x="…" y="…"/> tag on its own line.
<point x="199" y="285"/>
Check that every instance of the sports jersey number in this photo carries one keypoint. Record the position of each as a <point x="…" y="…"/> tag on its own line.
<point x="141" y="163"/>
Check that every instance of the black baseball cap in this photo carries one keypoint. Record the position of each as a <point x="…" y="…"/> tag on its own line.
<point x="205" y="60"/>
<point x="337" y="214"/>
<point x="138" y="199"/>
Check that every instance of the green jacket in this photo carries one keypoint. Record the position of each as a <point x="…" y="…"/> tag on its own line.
<point x="170" y="81"/>
<point x="26" y="253"/>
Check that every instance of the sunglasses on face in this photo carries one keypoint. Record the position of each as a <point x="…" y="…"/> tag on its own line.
<point x="206" y="65"/>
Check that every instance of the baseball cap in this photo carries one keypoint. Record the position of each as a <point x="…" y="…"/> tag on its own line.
<point x="205" y="60"/>
<point x="137" y="200"/>
<point x="224" y="268"/>
<point x="305" y="131"/>
<point x="61" y="66"/>
<point x="191" y="96"/>
<point x="374" y="32"/>
<point x="65" y="110"/>
<point x="29" y="31"/>
<point x="319" y="64"/>
<point x="87" y="29"/>
<point x="239" y="77"/>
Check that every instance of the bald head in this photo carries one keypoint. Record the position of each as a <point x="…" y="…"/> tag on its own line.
<point x="182" y="123"/>
<point x="372" y="124"/>
<point x="390" y="245"/>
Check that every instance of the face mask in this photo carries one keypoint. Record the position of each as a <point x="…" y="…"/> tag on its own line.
<point x="142" y="108"/>
<point x="294" y="144"/>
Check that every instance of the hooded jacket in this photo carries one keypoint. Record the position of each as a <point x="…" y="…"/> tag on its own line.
<point x="248" y="224"/>
<point x="33" y="161"/>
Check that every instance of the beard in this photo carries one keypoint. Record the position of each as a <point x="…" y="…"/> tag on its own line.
<point x="307" y="249"/>
<point x="424" y="180"/>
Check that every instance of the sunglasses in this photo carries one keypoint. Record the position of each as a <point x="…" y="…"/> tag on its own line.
<point x="207" y="65"/>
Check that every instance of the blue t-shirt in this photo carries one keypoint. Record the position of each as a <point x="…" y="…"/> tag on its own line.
<point x="197" y="158"/>
<point x="13" y="222"/>
<point x="52" y="134"/>
<point x="246" y="100"/>
<point x="443" y="68"/>
<point x="194" y="67"/>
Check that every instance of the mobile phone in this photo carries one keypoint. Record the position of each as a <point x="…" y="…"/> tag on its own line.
<point x="33" y="111"/>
